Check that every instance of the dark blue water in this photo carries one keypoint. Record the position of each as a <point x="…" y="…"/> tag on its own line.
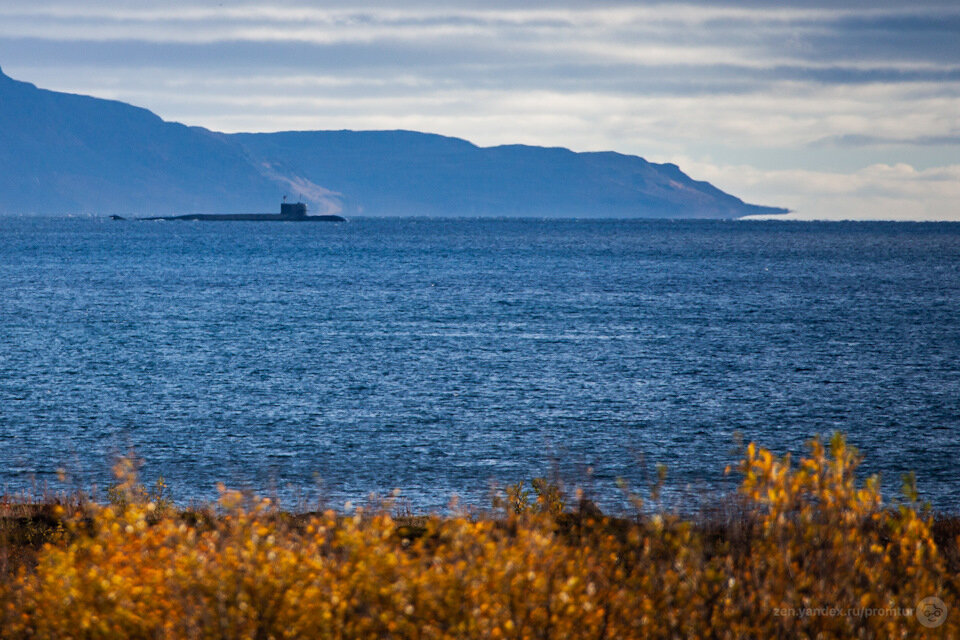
<point x="438" y="356"/>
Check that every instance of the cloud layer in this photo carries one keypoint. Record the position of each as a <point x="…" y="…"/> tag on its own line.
<point x="800" y="104"/>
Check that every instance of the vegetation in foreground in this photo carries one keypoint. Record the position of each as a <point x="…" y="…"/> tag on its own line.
<point x="805" y="551"/>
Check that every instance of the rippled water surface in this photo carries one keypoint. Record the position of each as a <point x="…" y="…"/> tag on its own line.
<point x="439" y="355"/>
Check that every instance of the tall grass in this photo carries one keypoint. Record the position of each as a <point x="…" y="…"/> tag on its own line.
<point x="804" y="551"/>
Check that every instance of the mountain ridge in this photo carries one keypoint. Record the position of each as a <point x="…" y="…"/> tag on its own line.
<point x="66" y="153"/>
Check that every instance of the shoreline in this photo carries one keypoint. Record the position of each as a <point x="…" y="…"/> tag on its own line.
<point x="805" y="550"/>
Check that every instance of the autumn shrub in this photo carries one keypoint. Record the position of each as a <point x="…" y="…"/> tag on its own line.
<point x="814" y="553"/>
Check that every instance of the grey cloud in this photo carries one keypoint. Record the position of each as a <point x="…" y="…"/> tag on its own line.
<point x="231" y="56"/>
<point x="929" y="32"/>
<point x="446" y="64"/>
<point x="858" y="141"/>
<point x="934" y="38"/>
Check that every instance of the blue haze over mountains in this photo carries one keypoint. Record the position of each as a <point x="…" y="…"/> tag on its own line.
<point x="69" y="154"/>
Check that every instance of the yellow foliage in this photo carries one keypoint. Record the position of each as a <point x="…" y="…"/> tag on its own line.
<point x="812" y="553"/>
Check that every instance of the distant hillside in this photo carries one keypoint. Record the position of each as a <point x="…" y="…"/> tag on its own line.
<point x="409" y="173"/>
<point x="62" y="153"/>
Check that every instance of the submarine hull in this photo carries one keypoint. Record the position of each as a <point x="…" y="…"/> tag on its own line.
<point x="289" y="212"/>
<point x="250" y="217"/>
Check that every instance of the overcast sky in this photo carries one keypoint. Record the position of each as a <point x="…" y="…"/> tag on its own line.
<point x="836" y="110"/>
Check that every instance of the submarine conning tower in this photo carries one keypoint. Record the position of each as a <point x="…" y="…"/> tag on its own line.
<point x="293" y="210"/>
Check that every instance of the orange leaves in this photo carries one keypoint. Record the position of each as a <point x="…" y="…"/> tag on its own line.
<point x="807" y="535"/>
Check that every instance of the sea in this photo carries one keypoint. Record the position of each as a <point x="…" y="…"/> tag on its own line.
<point x="440" y="360"/>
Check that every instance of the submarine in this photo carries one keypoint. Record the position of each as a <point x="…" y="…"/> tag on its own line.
<point x="289" y="212"/>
